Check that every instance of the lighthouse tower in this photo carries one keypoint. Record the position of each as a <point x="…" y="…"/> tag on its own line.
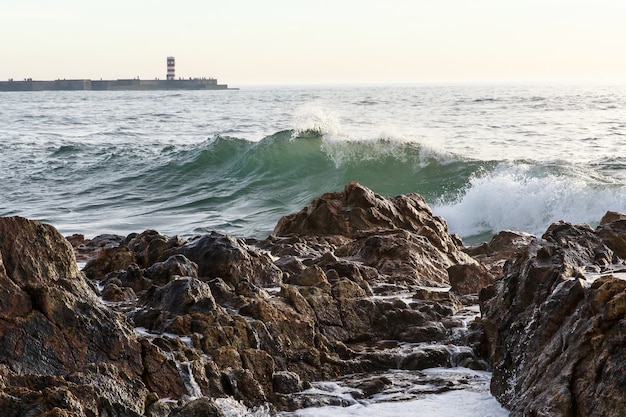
<point x="171" y="64"/>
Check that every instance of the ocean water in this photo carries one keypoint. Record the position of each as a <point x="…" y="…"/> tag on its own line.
<point x="486" y="157"/>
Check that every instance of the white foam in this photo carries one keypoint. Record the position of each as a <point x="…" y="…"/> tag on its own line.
<point x="233" y="408"/>
<point x="514" y="197"/>
<point x="315" y="117"/>
<point x="449" y="404"/>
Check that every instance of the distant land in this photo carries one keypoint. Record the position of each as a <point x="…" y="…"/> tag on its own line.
<point x="116" y="85"/>
<point x="170" y="83"/>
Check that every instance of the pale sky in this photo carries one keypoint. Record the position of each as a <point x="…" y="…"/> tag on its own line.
<point x="316" y="41"/>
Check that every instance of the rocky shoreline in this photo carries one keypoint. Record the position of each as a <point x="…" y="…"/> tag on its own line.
<point x="349" y="288"/>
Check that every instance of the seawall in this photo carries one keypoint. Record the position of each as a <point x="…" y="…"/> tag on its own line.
<point x="121" y="84"/>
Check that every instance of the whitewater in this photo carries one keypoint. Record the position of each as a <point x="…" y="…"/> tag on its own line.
<point x="485" y="157"/>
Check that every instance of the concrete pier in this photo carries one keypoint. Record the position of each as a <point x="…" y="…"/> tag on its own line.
<point x="116" y="85"/>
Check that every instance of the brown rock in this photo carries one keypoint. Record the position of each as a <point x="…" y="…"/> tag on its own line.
<point x="160" y="374"/>
<point x="33" y="252"/>
<point x="555" y="336"/>
<point x="468" y="279"/>
<point x="221" y="256"/>
<point x="312" y="276"/>
<point x="503" y="246"/>
<point x="200" y="407"/>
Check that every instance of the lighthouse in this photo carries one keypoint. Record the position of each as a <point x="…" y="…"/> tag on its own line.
<point x="171" y="64"/>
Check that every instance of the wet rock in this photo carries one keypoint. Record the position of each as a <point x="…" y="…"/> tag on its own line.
<point x="612" y="231"/>
<point x="169" y="308"/>
<point x="311" y="276"/>
<point x="503" y="246"/>
<point x="160" y="373"/>
<point x="237" y="321"/>
<point x="112" y="292"/>
<point x="109" y="259"/>
<point x="372" y="386"/>
<point x="133" y="277"/>
<point x="221" y="256"/>
<point x="160" y="273"/>
<point x="468" y="279"/>
<point x="61" y="348"/>
<point x="201" y="407"/>
<point x="241" y="385"/>
<point x="35" y="253"/>
<point x="286" y="382"/>
<point x="151" y="246"/>
<point x="354" y="211"/>
<point x="88" y="249"/>
<point x="555" y="328"/>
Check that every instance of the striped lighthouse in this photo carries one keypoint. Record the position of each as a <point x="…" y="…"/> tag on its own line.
<point x="171" y="64"/>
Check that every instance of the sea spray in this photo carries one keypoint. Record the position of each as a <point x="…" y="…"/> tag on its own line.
<point x="528" y="197"/>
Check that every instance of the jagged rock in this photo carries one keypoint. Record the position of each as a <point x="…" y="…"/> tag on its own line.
<point x="357" y="210"/>
<point x="237" y="321"/>
<point x="201" y="407"/>
<point x="112" y="292"/>
<point x="221" y="256"/>
<point x="311" y="276"/>
<point x="150" y="247"/>
<point x="35" y="253"/>
<point x="242" y="386"/>
<point x="286" y="382"/>
<point x="503" y="246"/>
<point x="88" y="249"/>
<point x="468" y="279"/>
<point x="133" y="277"/>
<point x="426" y="357"/>
<point x="168" y="308"/>
<point x="160" y="373"/>
<point x="61" y="348"/>
<point x="109" y="259"/>
<point x="160" y="273"/>
<point x="555" y="328"/>
<point x="612" y="230"/>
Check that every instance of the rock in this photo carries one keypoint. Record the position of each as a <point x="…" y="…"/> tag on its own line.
<point x="182" y="296"/>
<point x="201" y="407"/>
<point x="87" y="249"/>
<point x="612" y="217"/>
<point x="242" y="386"/>
<point x="372" y="386"/>
<point x="133" y="277"/>
<point x="354" y="211"/>
<point x="612" y="231"/>
<point x="468" y="279"/>
<point x="160" y="273"/>
<point x="109" y="259"/>
<point x="221" y="256"/>
<point x="114" y="293"/>
<point x="35" y="253"/>
<point x="555" y="328"/>
<point x="226" y="318"/>
<point x="286" y="382"/>
<point x="160" y="373"/>
<point x="426" y="357"/>
<point x="311" y="276"/>
<point x="503" y="246"/>
<point x="61" y="348"/>
<point x="403" y="258"/>
<point x="151" y="246"/>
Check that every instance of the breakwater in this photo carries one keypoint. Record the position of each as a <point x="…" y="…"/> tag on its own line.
<point x="115" y="85"/>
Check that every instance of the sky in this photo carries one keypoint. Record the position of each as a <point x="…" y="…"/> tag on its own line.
<point x="244" y="42"/>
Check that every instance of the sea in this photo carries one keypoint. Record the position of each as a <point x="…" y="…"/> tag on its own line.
<point x="486" y="157"/>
